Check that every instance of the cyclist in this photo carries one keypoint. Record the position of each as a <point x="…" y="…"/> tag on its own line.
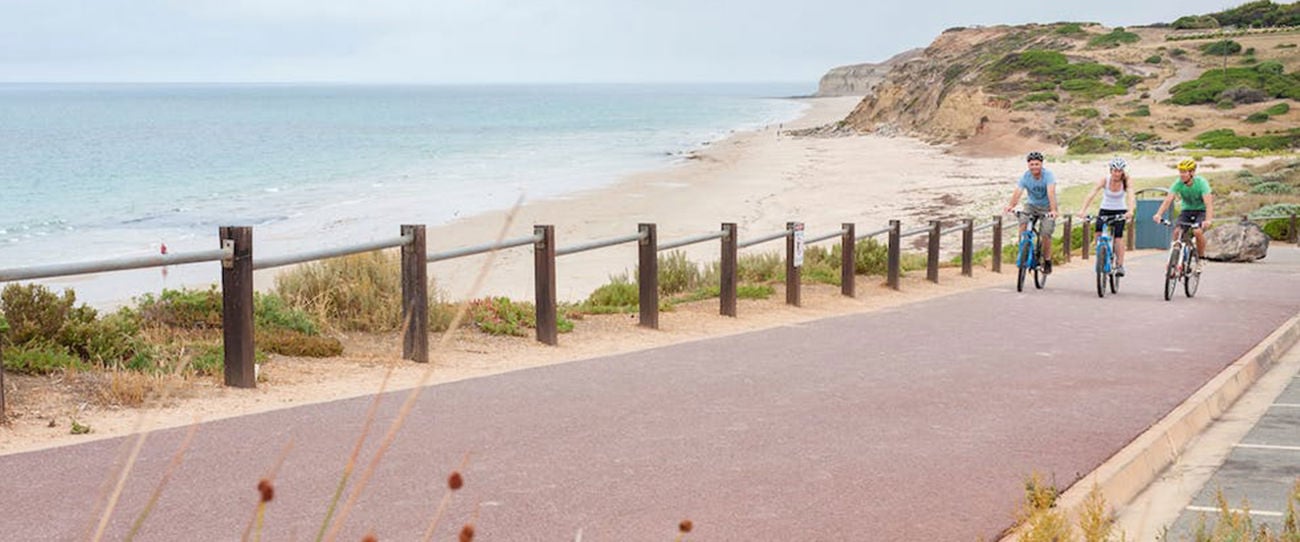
<point x="1116" y="200"/>
<point x="1198" y="205"/>
<point x="1040" y="184"/>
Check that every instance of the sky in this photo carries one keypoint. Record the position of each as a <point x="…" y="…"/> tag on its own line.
<point x="500" y="41"/>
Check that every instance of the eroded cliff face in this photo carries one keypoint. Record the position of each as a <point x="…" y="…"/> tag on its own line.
<point x="858" y="79"/>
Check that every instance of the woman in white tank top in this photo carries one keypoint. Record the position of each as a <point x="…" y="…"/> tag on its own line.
<point x="1116" y="199"/>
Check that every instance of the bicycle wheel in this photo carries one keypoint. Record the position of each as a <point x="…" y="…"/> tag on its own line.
<point x="1101" y="270"/>
<point x="1191" y="278"/>
<point x="1114" y="283"/>
<point x="1022" y="265"/>
<point x="1171" y="273"/>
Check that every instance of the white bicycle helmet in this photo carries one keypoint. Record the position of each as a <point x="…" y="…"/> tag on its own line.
<point x="1118" y="163"/>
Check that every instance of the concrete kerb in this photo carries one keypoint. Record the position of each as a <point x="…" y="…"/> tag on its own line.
<point x="1127" y="473"/>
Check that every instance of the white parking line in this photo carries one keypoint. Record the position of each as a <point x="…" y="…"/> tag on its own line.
<point x="1236" y="511"/>
<point x="1270" y="447"/>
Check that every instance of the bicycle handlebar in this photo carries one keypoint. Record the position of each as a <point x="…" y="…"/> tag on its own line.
<point x="1181" y="224"/>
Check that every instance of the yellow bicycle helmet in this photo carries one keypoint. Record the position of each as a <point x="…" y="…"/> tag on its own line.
<point x="1187" y="165"/>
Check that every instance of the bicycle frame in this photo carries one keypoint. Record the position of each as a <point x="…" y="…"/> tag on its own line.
<point x="1029" y="244"/>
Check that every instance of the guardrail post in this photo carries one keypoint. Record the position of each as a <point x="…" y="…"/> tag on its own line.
<point x="1087" y="238"/>
<point x="848" y="259"/>
<point x="1132" y="232"/>
<point x="237" y="308"/>
<point x="1294" y="236"/>
<point x="415" y="295"/>
<point x="648" y="276"/>
<point x="727" y="288"/>
<point x="893" y="259"/>
<point x="792" y="272"/>
<point x="997" y="244"/>
<point x="2" y="386"/>
<point x="932" y="258"/>
<point x="1069" y="236"/>
<point x="544" y="280"/>
<point x="968" y="247"/>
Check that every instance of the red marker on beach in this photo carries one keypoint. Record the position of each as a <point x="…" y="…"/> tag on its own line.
<point x="164" y="248"/>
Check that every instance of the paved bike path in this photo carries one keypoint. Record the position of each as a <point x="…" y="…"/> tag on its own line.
<point x="915" y="423"/>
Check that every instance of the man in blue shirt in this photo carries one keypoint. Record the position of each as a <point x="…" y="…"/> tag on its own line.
<point x="1040" y="184"/>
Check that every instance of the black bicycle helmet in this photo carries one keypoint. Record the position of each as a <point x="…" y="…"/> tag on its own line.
<point x="1035" y="155"/>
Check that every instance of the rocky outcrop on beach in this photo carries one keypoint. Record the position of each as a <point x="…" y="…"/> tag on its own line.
<point x="858" y="79"/>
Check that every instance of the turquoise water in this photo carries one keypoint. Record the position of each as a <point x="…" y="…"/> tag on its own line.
<point x="95" y="171"/>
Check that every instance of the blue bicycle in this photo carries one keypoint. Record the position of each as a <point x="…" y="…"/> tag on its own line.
<point x="1029" y="255"/>
<point x="1107" y="270"/>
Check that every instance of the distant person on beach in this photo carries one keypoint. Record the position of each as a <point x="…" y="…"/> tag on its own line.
<point x="1116" y="200"/>
<point x="1040" y="184"/>
<point x="1197" y="205"/>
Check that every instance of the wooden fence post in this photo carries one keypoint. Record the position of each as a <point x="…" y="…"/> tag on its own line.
<point x="792" y="271"/>
<point x="997" y="244"/>
<point x="1294" y="236"/>
<point x="727" y="288"/>
<point x="544" y="282"/>
<point x="648" y="275"/>
<point x="415" y="295"/>
<point x="237" y="308"/>
<point x="1087" y="238"/>
<point x="848" y="259"/>
<point x="968" y="247"/>
<point x="932" y="257"/>
<point x="893" y="257"/>
<point x="2" y="385"/>
<point x="1069" y="237"/>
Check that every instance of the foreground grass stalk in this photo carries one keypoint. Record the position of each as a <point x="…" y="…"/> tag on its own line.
<point x="414" y="395"/>
<point x="356" y="451"/>
<point x="266" y="492"/>
<point x="166" y="477"/>
<point x="454" y="483"/>
<point x="121" y="480"/>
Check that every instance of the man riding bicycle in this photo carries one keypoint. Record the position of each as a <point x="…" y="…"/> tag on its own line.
<point x="1197" y="205"/>
<point x="1040" y="184"/>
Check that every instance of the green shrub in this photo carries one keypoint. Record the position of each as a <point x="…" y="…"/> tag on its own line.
<point x="1271" y="188"/>
<point x="33" y="312"/>
<point x="754" y="291"/>
<point x="1278" y="109"/>
<point x="1154" y="59"/>
<point x="360" y="292"/>
<point x="1115" y="38"/>
<point x="1276" y="209"/>
<point x="111" y="341"/>
<point x="1178" y="52"/>
<point x="870" y="257"/>
<point x="1092" y="89"/>
<point x="1095" y="144"/>
<point x="183" y="309"/>
<point x="1195" y="22"/>
<point x="293" y="343"/>
<point x="501" y="316"/>
<point x="270" y="311"/>
<point x="1278" y="230"/>
<point x="36" y="358"/>
<point x="1141" y="111"/>
<point x="1228" y="139"/>
<point x="1086" y="112"/>
<point x="1221" y="48"/>
<point x="1128" y="81"/>
<point x="677" y="274"/>
<point x="1285" y="46"/>
<point x="1207" y="87"/>
<point x="618" y="292"/>
<point x="1257" y="117"/>
<point x="1070" y="29"/>
<point x="760" y="268"/>
<point x="1042" y="97"/>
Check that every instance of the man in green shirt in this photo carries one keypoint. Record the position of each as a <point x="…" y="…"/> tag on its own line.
<point x="1197" y="205"/>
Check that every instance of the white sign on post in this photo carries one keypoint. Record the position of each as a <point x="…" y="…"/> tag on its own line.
<point x="798" y="244"/>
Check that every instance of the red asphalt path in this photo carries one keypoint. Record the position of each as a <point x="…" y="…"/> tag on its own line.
<point x="915" y="423"/>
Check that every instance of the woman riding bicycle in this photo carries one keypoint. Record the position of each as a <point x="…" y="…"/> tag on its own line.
<point x="1198" y="205"/>
<point x="1041" y="186"/>
<point x="1116" y="201"/>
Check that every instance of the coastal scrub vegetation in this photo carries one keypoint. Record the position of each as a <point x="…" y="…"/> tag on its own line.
<point x="1267" y="78"/>
<point x="1258" y="14"/>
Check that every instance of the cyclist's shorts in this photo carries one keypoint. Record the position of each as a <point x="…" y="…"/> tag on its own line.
<point x="1116" y="227"/>
<point x="1192" y="216"/>
<point x="1048" y="223"/>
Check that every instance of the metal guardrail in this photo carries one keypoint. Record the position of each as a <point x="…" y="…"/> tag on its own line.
<point x="984" y="227"/>
<point x="335" y="252"/>
<point x="763" y="239"/>
<point x="821" y="238"/>
<point x="953" y="229"/>
<point x="870" y="234"/>
<point x="693" y="240"/>
<point x="116" y="264"/>
<point x="914" y="232"/>
<point x="486" y="247"/>
<point x="601" y="243"/>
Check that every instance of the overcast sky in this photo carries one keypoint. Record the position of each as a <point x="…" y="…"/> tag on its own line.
<point x="494" y="41"/>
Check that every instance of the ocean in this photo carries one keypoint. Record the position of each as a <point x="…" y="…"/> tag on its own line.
<point x="93" y="171"/>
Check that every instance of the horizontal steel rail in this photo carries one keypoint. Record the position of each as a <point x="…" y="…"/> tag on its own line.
<point x="821" y="238"/>
<point x="953" y="229"/>
<point x="917" y="231"/>
<point x="479" y="249"/>
<point x="692" y="240"/>
<point x="880" y="231"/>
<point x="763" y="239"/>
<point x="601" y="243"/>
<point x="116" y="264"/>
<point x="333" y="252"/>
<point x="1252" y="218"/>
<point x="984" y="227"/>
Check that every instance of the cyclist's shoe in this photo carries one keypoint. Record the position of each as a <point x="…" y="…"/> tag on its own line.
<point x="1047" y="267"/>
<point x="1200" y="266"/>
<point x="1119" y="271"/>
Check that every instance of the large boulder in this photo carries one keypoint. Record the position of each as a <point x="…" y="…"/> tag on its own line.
<point x="1236" y="242"/>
